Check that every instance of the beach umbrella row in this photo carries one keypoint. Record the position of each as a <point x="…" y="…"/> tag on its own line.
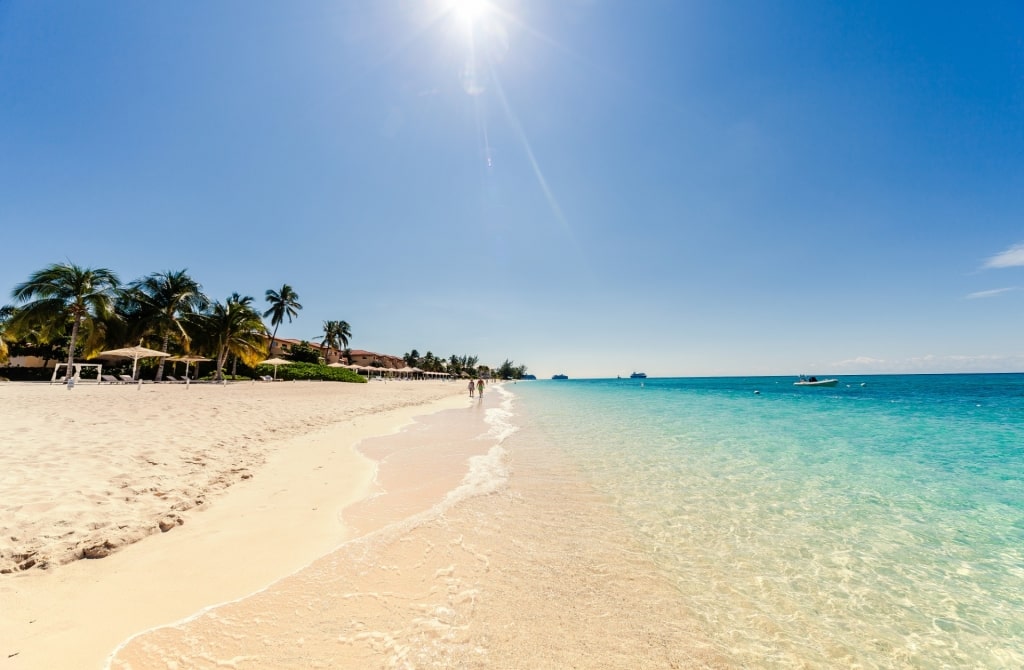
<point x="187" y="360"/>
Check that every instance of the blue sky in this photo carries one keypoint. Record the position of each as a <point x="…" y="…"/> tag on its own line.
<point x="582" y="186"/>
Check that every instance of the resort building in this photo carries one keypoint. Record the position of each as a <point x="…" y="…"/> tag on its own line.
<point x="283" y="346"/>
<point x="373" y="359"/>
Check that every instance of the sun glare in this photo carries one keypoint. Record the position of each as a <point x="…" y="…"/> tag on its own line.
<point x="469" y="11"/>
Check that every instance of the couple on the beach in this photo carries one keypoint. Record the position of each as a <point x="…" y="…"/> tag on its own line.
<point x="478" y="386"/>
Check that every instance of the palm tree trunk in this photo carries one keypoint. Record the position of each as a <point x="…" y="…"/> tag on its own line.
<point x="71" y="345"/>
<point x="234" y="366"/>
<point x="160" y="368"/>
<point x="222" y="359"/>
<point x="270" y="352"/>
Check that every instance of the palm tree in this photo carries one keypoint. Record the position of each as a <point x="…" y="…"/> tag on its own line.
<point x="336" y="336"/>
<point x="245" y="301"/>
<point x="165" y="298"/>
<point x="234" y="327"/>
<point x="283" y="303"/>
<point x="6" y="312"/>
<point x="67" y="292"/>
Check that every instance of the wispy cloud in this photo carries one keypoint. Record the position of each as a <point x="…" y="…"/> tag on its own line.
<point x="1012" y="257"/>
<point x="990" y="293"/>
<point x="860" y="362"/>
<point x="930" y="363"/>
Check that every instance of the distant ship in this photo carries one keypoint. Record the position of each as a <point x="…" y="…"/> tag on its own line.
<point x="638" y="375"/>
<point x="559" y="376"/>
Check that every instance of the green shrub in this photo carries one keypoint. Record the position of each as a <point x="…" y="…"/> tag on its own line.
<point x="311" y="371"/>
<point x="27" y="374"/>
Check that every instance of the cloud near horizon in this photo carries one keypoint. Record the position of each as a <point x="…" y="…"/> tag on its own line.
<point x="930" y="363"/>
<point x="860" y="361"/>
<point x="990" y="293"/>
<point x="1012" y="257"/>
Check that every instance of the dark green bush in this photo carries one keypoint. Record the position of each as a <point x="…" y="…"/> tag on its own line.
<point x="27" y="374"/>
<point x="311" y="371"/>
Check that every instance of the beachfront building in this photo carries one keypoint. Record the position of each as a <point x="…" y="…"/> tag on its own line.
<point x="375" y="360"/>
<point x="283" y="346"/>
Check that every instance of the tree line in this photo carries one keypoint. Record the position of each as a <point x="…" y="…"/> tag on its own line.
<point x="456" y="365"/>
<point x="88" y="310"/>
<point x="80" y="311"/>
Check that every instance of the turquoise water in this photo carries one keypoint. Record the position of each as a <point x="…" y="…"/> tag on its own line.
<point x="876" y="524"/>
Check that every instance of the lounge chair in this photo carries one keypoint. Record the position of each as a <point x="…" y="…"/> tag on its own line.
<point x="127" y="379"/>
<point x="111" y="379"/>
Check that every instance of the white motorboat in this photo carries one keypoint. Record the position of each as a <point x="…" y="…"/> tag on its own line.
<point x="814" y="381"/>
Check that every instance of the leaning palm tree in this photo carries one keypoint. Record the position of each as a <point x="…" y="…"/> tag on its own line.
<point x="234" y="327"/>
<point x="164" y="299"/>
<point x="283" y="303"/>
<point x="63" y="293"/>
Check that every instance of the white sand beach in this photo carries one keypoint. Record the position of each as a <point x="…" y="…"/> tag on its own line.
<point x="230" y="487"/>
<point x="433" y="543"/>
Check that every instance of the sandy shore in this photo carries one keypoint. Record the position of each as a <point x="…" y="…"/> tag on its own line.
<point x="239" y="485"/>
<point x="466" y="539"/>
<point x="482" y="553"/>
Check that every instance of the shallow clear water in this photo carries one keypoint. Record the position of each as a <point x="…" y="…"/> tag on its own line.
<point x="879" y="523"/>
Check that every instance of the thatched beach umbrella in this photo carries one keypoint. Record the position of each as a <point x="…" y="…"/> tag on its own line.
<point x="187" y="360"/>
<point x="275" y="362"/>
<point x="135" y="353"/>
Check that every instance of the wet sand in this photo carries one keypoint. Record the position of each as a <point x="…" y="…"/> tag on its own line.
<point x="507" y="560"/>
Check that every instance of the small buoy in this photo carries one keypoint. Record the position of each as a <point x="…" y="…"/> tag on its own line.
<point x="863" y="383"/>
<point x="757" y="393"/>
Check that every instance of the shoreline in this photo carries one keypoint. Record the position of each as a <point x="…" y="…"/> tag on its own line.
<point x="252" y="534"/>
<point x="522" y="565"/>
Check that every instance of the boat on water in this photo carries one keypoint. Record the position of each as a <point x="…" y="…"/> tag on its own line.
<point x="814" y="381"/>
<point x="638" y="375"/>
<point x="559" y="376"/>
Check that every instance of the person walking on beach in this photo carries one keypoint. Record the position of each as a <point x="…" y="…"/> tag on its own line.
<point x="471" y="387"/>
<point x="480" y="387"/>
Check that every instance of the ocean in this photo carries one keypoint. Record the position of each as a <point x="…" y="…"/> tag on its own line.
<point x="879" y="523"/>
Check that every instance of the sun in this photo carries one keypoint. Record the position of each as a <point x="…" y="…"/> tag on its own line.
<point x="469" y="12"/>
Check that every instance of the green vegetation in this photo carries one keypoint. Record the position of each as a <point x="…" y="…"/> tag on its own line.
<point x="462" y="365"/>
<point x="233" y="328"/>
<point x="304" y="352"/>
<point x="164" y="301"/>
<point x="65" y="310"/>
<point x="336" y="335"/>
<point x="509" y="370"/>
<point x="311" y="371"/>
<point x="64" y="294"/>
<point x="283" y="303"/>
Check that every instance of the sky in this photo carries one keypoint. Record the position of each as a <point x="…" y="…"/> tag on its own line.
<point x="588" y="187"/>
